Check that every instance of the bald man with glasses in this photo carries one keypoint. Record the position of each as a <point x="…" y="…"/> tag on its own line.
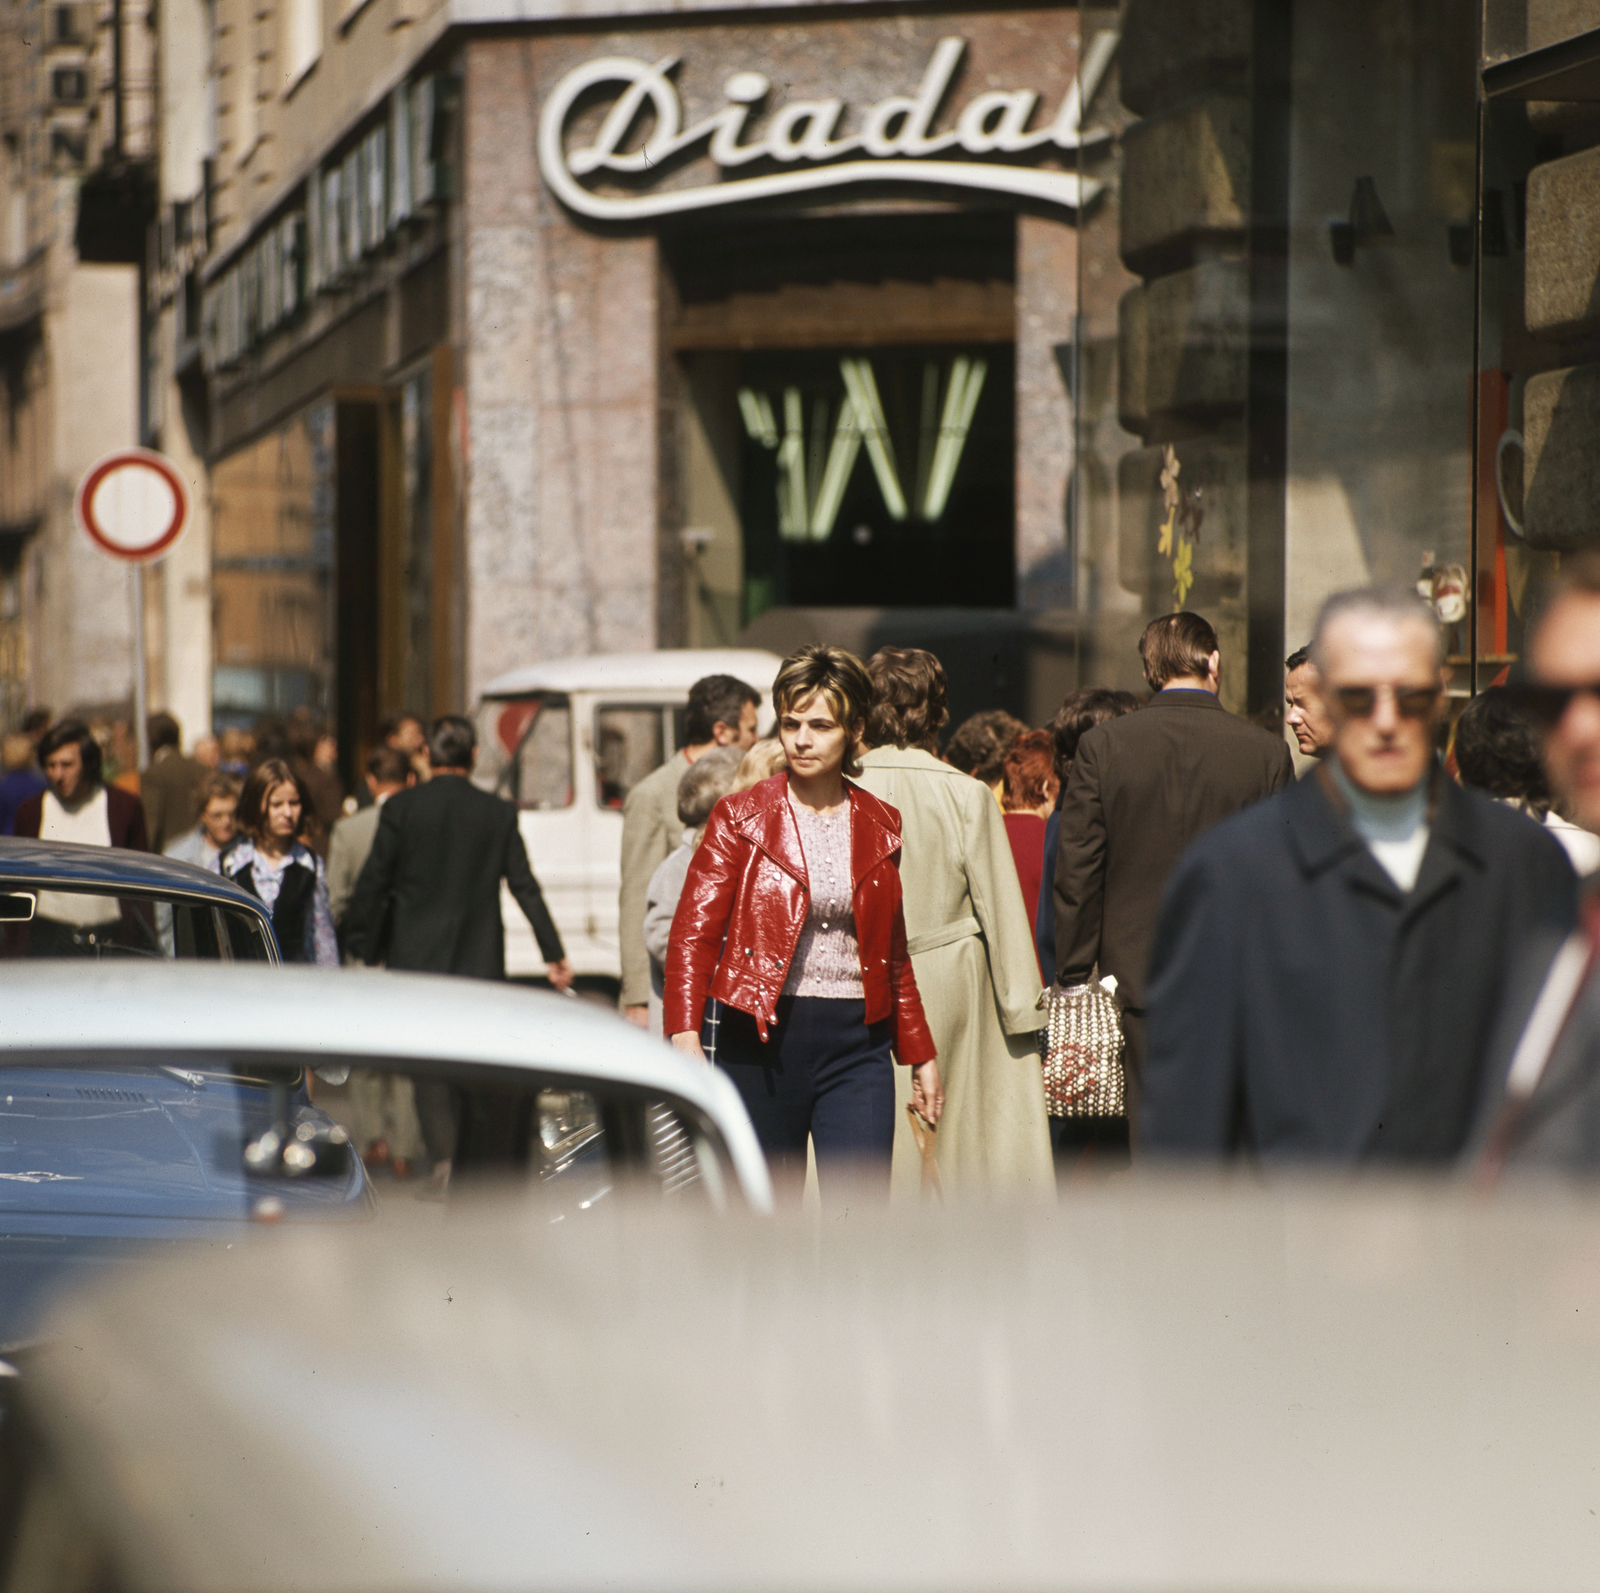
<point x="1330" y="965"/>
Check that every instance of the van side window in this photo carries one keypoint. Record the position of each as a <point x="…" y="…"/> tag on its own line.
<point x="525" y="751"/>
<point x="629" y="743"/>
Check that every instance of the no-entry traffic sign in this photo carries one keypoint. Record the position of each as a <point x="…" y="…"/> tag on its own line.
<point x="133" y="505"/>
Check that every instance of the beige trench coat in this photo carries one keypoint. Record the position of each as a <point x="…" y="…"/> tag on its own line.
<point x="972" y="948"/>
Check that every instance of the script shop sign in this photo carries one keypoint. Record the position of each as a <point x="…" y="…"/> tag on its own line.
<point x="993" y="142"/>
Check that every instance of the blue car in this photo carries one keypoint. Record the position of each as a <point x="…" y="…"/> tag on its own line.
<point x="109" y="1145"/>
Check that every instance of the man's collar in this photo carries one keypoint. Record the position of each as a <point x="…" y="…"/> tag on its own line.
<point x="1184" y="697"/>
<point x="1322" y="834"/>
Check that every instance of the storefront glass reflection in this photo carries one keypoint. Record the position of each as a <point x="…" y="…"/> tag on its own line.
<point x="1274" y="371"/>
<point x="273" y="557"/>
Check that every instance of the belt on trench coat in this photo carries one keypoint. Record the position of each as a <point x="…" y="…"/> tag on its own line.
<point x="945" y="935"/>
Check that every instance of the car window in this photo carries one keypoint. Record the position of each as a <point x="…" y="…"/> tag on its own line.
<point x="110" y="1147"/>
<point x="629" y="743"/>
<point x="575" y="1141"/>
<point x="86" y="925"/>
<point x="525" y="750"/>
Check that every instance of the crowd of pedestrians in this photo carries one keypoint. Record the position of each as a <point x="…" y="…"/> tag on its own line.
<point x="1385" y="960"/>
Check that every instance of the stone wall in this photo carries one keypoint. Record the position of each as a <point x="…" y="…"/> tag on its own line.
<point x="1184" y="330"/>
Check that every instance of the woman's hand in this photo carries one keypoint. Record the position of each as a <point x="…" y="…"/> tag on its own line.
<point x="927" y="1091"/>
<point x="688" y="1042"/>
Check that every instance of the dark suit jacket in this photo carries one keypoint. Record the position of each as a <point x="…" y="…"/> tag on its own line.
<point x="167" y="789"/>
<point x="1301" y="1006"/>
<point x="428" y="896"/>
<point x="124" y="817"/>
<point x="1142" y="788"/>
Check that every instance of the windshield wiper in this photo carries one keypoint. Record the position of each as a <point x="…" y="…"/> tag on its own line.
<point x="195" y="1081"/>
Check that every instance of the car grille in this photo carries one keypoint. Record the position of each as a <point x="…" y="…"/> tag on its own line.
<point x="676" y="1164"/>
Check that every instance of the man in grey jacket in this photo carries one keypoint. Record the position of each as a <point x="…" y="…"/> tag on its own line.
<point x="722" y="713"/>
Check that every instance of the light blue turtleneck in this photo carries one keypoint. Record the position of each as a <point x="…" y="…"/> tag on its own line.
<point x="1395" y="828"/>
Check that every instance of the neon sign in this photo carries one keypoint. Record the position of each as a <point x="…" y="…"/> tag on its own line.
<point x="895" y="142"/>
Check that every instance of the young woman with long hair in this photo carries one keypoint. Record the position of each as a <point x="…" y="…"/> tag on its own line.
<point x="271" y="862"/>
<point x="787" y="965"/>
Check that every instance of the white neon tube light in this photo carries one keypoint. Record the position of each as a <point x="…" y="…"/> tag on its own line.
<point x="792" y="469"/>
<point x="960" y="403"/>
<point x="863" y="389"/>
<point x="758" y="421"/>
<point x="836" y="474"/>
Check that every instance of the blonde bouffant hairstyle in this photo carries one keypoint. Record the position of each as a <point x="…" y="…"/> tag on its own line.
<point x="840" y="677"/>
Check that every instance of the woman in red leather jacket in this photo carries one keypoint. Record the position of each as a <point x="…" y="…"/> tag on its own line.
<point x="790" y="923"/>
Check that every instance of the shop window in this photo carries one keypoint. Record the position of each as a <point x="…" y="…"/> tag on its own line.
<point x="69" y="85"/>
<point x="878" y="478"/>
<point x="273" y="508"/>
<point x="628" y="745"/>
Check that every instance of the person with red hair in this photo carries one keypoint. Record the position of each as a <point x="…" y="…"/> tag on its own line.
<point x="1028" y="798"/>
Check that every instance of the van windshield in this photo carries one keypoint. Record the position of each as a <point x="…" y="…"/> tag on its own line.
<point x="525" y="749"/>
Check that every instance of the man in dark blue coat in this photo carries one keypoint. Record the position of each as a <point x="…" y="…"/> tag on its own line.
<point x="1329" y="966"/>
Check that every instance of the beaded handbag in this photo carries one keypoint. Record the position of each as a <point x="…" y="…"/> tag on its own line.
<point x="1082" y="1047"/>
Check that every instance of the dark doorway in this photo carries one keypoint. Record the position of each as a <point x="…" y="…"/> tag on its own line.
<point x="357" y="493"/>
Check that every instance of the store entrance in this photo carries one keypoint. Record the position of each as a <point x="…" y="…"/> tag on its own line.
<point x="877" y="478"/>
<point x="849" y="436"/>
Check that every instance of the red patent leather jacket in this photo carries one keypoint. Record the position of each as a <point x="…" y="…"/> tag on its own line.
<point x="745" y="901"/>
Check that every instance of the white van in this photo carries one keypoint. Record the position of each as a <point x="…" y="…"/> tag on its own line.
<point x="567" y="741"/>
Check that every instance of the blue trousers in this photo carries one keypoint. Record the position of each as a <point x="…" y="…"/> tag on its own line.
<point x="823" y="1071"/>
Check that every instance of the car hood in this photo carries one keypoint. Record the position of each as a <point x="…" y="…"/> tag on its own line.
<point x="1158" y="1387"/>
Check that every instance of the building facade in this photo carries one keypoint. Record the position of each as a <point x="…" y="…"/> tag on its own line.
<point x="506" y="332"/>
<point x="77" y="154"/>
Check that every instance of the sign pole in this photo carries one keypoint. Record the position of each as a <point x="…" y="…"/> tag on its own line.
<point x="141" y="706"/>
<point x="133" y="505"/>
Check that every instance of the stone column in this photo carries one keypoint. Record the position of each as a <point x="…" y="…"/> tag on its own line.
<point x="561" y="389"/>
<point x="1184" y="331"/>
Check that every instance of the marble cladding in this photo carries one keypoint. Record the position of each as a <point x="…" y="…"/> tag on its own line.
<point x="561" y="336"/>
<point x="1047" y="300"/>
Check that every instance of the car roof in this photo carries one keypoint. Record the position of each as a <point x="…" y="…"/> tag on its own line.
<point x="1158" y="1386"/>
<point x="33" y="863"/>
<point x="670" y="669"/>
<point x="69" y="1005"/>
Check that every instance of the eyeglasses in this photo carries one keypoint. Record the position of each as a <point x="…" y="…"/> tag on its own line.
<point x="1545" y="705"/>
<point x="1410" y="702"/>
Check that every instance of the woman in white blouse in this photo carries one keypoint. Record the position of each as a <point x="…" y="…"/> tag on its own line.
<point x="271" y="862"/>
